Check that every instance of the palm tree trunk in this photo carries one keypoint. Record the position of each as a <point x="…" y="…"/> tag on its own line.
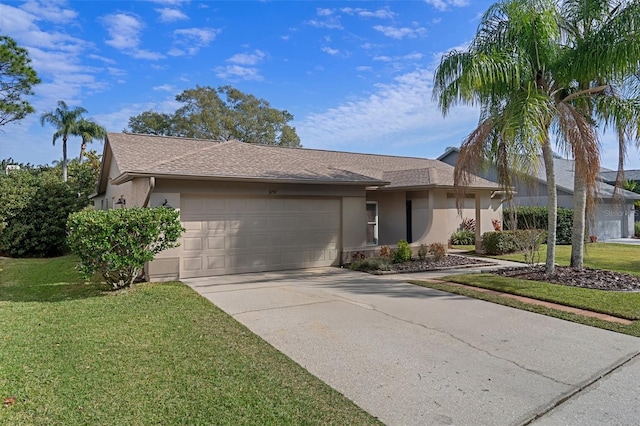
<point x="579" y="215"/>
<point x="64" y="158"/>
<point x="552" y="205"/>
<point x="83" y="147"/>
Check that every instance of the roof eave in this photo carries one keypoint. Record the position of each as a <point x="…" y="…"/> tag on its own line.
<point x="127" y="176"/>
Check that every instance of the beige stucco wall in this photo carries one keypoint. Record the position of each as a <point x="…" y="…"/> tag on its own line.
<point x="434" y="216"/>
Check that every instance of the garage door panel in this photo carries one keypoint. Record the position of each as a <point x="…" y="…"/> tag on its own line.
<point x="192" y="243"/>
<point x="242" y="234"/>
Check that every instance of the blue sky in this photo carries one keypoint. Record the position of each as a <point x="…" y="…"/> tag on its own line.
<point x="357" y="76"/>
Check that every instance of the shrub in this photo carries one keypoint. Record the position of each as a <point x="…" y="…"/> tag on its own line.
<point x="422" y="252"/>
<point x="501" y="242"/>
<point x="371" y="264"/>
<point x="536" y="218"/>
<point x="117" y="243"/>
<point x="438" y="250"/>
<point x="468" y="224"/>
<point x="528" y="242"/>
<point x="637" y="229"/>
<point x="35" y="204"/>
<point x="498" y="242"/>
<point x="463" y="238"/>
<point x="385" y="251"/>
<point x="402" y="253"/>
<point x="358" y="255"/>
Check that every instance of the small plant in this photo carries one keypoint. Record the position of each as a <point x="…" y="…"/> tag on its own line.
<point x="438" y="250"/>
<point x="497" y="226"/>
<point x="528" y="241"/>
<point x="385" y="251"/>
<point x="422" y="252"/>
<point x="371" y="264"/>
<point x="358" y="255"/>
<point x="463" y="238"/>
<point x="468" y="224"/>
<point x="402" y="253"/>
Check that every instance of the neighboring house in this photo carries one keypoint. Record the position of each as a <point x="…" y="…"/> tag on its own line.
<point x="614" y="215"/>
<point x="609" y="176"/>
<point x="250" y="208"/>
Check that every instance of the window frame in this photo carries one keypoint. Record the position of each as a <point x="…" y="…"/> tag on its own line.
<point x="375" y="224"/>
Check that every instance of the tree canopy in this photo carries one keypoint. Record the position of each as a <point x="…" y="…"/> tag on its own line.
<point x="17" y="77"/>
<point x="224" y="113"/>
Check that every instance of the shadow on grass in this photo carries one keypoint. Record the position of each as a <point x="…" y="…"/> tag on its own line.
<point x="45" y="280"/>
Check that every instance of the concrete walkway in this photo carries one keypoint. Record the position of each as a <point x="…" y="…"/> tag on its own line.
<point x="415" y="356"/>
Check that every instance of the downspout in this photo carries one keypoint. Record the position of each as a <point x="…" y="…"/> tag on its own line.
<point x="152" y="184"/>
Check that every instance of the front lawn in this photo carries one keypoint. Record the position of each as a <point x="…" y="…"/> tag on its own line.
<point x="613" y="257"/>
<point x="73" y="353"/>
<point x="608" y="256"/>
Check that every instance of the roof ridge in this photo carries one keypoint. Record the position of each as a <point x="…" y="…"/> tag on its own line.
<point x="320" y="163"/>
<point x="353" y="153"/>
<point x="214" y="144"/>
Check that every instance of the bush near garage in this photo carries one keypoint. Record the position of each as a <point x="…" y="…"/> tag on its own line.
<point x="117" y="243"/>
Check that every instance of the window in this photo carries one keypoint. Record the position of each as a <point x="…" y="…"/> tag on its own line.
<point x="372" y="224"/>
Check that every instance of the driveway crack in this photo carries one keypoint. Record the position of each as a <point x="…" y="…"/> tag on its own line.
<point x="472" y="346"/>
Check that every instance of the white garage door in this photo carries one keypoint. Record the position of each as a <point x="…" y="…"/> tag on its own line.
<point x="229" y="235"/>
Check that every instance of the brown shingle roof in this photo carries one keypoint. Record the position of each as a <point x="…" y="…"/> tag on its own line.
<point x="138" y="155"/>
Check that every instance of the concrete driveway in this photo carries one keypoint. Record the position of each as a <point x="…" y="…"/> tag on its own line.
<point x="416" y="356"/>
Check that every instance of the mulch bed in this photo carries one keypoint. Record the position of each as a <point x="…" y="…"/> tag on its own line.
<point x="447" y="262"/>
<point x="586" y="277"/>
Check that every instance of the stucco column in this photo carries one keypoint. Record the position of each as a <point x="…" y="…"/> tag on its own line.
<point x="478" y="222"/>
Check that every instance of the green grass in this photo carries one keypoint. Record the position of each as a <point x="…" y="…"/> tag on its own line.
<point x="632" y="329"/>
<point x="616" y="303"/>
<point x="613" y="257"/>
<point x="72" y="353"/>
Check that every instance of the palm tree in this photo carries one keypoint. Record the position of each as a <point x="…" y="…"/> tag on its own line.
<point x="88" y="130"/>
<point x="601" y="45"/>
<point x="524" y="68"/>
<point x="505" y="71"/>
<point x="65" y="120"/>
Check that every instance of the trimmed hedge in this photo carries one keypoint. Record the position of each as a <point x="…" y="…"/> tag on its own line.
<point x="536" y="218"/>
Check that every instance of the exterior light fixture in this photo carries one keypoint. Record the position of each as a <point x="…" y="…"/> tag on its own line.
<point x="121" y="201"/>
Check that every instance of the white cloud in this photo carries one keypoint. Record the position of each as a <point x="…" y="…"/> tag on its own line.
<point x="444" y="4"/>
<point x="330" y="51"/>
<point x="247" y="58"/>
<point x="124" y="30"/>
<point x="365" y="13"/>
<point x="396" y="116"/>
<point x="237" y="72"/>
<point x="400" y="33"/>
<point x="327" y="20"/>
<point x="101" y="58"/>
<point x="50" y="11"/>
<point x="165" y="88"/>
<point x="189" y="41"/>
<point x="171" y="15"/>
<point x="363" y="68"/>
<point x="324" y="12"/>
